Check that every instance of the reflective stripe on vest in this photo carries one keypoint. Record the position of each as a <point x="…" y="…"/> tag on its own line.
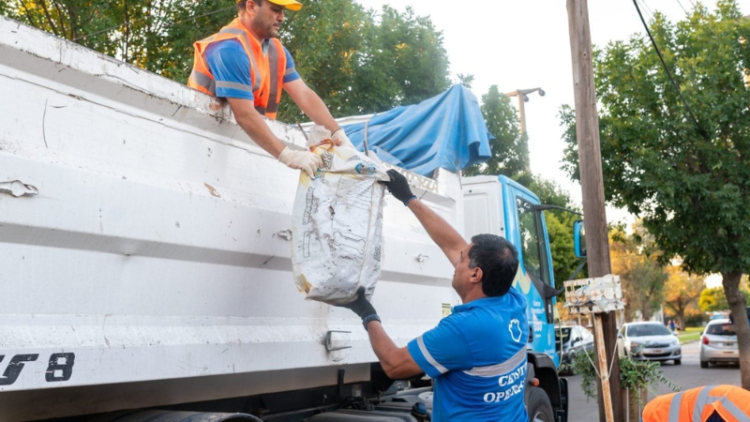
<point x="253" y="65"/>
<point x="273" y="71"/>
<point x="704" y="399"/>
<point x="205" y="81"/>
<point x="500" y="368"/>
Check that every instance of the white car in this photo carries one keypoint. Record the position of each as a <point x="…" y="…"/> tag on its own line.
<point x="719" y="343"/>
<point x="650" y="341"/>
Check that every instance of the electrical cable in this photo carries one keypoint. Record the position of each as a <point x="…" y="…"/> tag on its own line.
<point x="669" y="74"/>
<point x="138" y="20"/>
<point x="683" y="8"/>
<point x="648" y="9"/>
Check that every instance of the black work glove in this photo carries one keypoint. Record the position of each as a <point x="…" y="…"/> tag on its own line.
<point x="399" y="187"/>
<point x="362" y="307"/>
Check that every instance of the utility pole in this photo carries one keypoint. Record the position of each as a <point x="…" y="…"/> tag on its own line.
<point x="523" y="97"/>
<point x="592" y="186"/>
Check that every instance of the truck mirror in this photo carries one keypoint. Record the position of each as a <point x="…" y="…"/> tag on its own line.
<point x="579" y="239"/>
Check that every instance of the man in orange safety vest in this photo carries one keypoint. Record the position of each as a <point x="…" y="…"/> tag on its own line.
<point x="722" y="403"/>
<point x="246" y="64"/>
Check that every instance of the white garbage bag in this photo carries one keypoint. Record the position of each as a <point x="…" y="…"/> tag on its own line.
<point x="337" y="224"/>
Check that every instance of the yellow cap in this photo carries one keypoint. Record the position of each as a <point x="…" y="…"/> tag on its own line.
<point x="292" y="5"/>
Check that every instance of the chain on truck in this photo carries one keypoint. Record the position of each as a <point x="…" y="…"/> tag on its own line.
<point x="145" y="260"/>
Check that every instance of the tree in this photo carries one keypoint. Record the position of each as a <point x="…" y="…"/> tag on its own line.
<point x="357" y="61"/>
<point x="508" y="146"/>
<point x="641" y="275"/>
<point x="360" y="62"/>
<point x="714" y="299"/>
<point x="681" y="293"/>
<point x="690" y="185"/>
<point x="466" y="80"/>
<point x="156" y="35"/>
<point x="559" y="229"/>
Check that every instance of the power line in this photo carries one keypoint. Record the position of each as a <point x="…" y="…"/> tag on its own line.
<point x="686" y="12"/>
<point x="648" y="9"/>
<point x="669" y="74"/>
<point x="141" y="19"/>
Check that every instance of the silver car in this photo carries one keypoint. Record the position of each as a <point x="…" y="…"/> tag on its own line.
<point x="650" y="341"/>
<point x="719" y="343"/>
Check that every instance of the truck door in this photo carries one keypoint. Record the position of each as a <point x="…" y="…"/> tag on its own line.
<point x="533" y="248"/>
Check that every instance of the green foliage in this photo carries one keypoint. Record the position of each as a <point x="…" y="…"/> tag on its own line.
<point x="156" y="35"/>
<point x="466" y="80"/>
<point x="559" y="228"/>
<point x="634" y="259"/>
<point x="358" y="61"/>
<point x="634" y="374"/>
<point x="509" y="144"/>
<point x="714" y="299"/>
<point x="693" y="194"/>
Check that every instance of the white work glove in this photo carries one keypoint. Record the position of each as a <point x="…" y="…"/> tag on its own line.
<point x="340" y="135"/>
<point x="301" y="160"/>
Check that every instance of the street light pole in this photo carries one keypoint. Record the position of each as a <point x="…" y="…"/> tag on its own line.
<point x="523" y="96"/>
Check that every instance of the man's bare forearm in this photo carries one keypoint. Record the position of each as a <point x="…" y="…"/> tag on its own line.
<point x="396" y="361"/>
<point x="310" y="103"/>
<point x="442" y="233"/>
<point x="255" y="126"/>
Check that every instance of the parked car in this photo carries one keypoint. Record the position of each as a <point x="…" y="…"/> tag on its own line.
<point x="575" y="339"/>
<point x="719" y="343"/>
<point x="650" y="341"/>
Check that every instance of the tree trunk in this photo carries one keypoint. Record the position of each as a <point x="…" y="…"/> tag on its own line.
<point x="736" y="300"/>
<point x="681" y="318"/>
<point x="634" y="411"/>
<point x="646" y="311"/>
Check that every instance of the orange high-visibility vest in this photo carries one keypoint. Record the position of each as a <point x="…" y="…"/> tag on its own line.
<point x="266" y="70"/>
<point x="697" y="405"/>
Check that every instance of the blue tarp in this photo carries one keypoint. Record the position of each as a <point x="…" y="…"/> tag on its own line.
<point x="446" y="131"/>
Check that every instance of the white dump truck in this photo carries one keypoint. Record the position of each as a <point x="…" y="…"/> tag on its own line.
<point x="145" y="260"/>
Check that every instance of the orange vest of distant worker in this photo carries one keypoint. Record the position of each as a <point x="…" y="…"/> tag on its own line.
<point x="697" y="405"/>
<point x="266" y="71"/>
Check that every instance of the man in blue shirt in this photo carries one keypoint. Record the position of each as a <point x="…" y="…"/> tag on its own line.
<point x="477" y="355"/>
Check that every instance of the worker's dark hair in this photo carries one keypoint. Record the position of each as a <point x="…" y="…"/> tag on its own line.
<point x="498" y="260"/>
<point x="243" y="3"/>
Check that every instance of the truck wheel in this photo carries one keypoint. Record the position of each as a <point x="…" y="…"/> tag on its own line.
<point x="539" y="406"/>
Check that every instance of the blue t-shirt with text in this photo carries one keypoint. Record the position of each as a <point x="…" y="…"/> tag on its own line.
<point x="477" y="359"/>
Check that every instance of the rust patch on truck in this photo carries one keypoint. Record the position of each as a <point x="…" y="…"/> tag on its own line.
<point x="212" y="190"/>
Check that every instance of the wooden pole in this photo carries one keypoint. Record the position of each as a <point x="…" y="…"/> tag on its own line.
<point x="592" y="186"/>
<point x="601" y="357"/>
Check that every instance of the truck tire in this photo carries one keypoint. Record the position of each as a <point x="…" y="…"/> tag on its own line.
<point x="539" y="406"/>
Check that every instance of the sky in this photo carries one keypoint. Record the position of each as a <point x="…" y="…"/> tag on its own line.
<point x="525" y="44"/>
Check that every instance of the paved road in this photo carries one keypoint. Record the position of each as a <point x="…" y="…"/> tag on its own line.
<point x="688" y="375"/>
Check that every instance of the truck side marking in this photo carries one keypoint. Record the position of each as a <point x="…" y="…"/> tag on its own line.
<point x="14" y="367"/>
<point x="60" y="362"/>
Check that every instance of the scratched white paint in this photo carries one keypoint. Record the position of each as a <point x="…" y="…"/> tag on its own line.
<point x="152" y="250"/>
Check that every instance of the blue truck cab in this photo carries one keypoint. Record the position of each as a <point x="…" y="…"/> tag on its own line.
<point x="498" y="205"/>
